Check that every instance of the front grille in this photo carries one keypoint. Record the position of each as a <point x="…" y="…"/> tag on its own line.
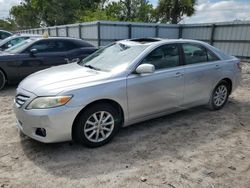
<point x="20" y="100"/>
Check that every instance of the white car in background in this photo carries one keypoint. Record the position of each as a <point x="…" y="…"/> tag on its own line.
<point x="4" y="34"/>
<point x="14" y="40"/>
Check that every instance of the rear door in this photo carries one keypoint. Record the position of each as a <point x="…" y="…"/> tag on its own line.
<point x="201" y="72"/>
<point x="154" y="93"/>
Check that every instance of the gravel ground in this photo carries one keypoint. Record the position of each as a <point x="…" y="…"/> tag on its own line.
<point x="192" y="148"/>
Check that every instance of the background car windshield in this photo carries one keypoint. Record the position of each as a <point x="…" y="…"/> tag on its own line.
<point x="20" y="47"/>
<point x="5" y="40"/>
<point x="115" y="56"/>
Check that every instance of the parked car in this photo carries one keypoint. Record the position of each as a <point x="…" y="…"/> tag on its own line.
<point x="36" y="54"/>
<point x="124" y="83"/>
<point x="14" y="40"/>
<point x="4" y="34"/>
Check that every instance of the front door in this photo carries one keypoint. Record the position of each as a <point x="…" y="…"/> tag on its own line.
<point x="48" y="53"/>
<point x="154" y="93"/>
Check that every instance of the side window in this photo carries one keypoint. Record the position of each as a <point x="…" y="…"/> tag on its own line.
<point x="166" y="56"/>
<point x="44" y="46"/>
<point x="212" y="57"/>
<point x="194" y="54"/>
<point x="65" y="45"/>
<point x="68" y="45"/>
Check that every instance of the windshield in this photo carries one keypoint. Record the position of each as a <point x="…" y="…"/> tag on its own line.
<point x="20" y="47"/>
<point x="115" y="56"/>
<point x="4" y="41"/>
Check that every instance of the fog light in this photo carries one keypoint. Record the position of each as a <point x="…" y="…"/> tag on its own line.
<point x="41" y="132"/>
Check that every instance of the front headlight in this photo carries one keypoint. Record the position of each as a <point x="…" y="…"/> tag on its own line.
<point x="48" y="102"/>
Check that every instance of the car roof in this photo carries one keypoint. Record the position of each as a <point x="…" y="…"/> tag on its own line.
<point x="74" y="40"/>
<point x="28" y="35"/>
<point x="156" y="41"/>
<point x="25" y="35"/>
<point x="5" y="31"/>
<point x="60" y="38"/>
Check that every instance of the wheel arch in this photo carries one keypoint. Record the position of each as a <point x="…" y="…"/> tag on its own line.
<point x="1" y="69"/>
<point x="229" y="81"/>
<point x="112" y="102"/>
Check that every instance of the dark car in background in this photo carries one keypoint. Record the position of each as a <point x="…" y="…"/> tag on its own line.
<point x="33" y="55"/>
<point x="4" y="34"/>
<point x="14" y="40"/>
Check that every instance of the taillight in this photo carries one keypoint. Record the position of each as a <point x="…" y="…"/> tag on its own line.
<point x="239" y="66"/>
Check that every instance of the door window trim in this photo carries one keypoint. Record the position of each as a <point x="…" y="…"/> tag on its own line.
<point x="200" y="46"/>
<point x="168" y="68"/>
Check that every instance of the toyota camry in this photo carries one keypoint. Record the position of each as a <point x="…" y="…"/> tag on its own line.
<point x="121" y="84"/>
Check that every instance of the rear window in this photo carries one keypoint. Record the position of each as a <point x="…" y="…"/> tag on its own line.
<point x="81" y="44"/>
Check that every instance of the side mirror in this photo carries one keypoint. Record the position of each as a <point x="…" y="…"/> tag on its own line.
<point x="145" y="69"/>
<point x="33" y="52"/>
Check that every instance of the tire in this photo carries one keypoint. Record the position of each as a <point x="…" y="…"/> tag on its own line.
<point x="2" y="80"/>
<point x="88" y="125"/>
<point x="219" y="96"/>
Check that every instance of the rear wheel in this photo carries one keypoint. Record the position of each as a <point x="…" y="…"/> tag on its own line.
<point x="219" y="96"/>
<point x="2" y="80"/>
<point x="97" y="125"/>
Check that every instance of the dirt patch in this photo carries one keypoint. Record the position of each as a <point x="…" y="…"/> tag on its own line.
<point x="193" y="148"/>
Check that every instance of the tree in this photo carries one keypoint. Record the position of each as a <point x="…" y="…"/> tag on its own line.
<point x="56" y="12"/>
<point x="36" y="13"/>
<point x="173" y="11"/>
<point x="130" y="10"/>
<point x="8" y="25"/>
<point x="24" y="15"/>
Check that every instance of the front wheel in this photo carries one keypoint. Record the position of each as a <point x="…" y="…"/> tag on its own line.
<point x="2" y="80"/>
<point x="219" y="96"/>
<point x="97" y="125"/>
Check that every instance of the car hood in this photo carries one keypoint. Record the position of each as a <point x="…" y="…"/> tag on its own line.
<point x="60" y="78"/>
<point x="3" y="54"/>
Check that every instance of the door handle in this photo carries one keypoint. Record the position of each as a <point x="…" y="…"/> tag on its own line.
<point x="217" y="66"/>
<point x="179" y="74"/>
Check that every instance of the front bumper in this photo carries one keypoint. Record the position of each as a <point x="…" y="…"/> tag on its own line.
<point x="56" y="121"/>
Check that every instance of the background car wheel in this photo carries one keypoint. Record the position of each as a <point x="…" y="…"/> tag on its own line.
<point x="97" y="125"/>
<point x="219" y="96"/>
<point x="2" y="80"/>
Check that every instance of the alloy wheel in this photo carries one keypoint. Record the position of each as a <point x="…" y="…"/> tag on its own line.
<point x="220" y="95"/>
<point x="99" y="126"/>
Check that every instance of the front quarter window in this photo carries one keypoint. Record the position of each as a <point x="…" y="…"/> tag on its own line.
<point x="113" y="56"/>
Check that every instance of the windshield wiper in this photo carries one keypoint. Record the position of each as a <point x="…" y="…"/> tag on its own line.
<point x="91" y="67"/>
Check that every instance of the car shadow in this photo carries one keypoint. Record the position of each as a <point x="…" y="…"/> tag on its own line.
<point x="168" y="137"/>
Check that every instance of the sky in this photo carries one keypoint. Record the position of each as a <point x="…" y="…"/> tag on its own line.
<point x="207" y="11"/>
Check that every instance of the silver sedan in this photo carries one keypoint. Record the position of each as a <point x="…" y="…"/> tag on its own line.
<point x="121" y="84"/>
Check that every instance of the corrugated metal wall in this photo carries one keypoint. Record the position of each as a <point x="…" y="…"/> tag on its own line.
<point x="233" y="38"/>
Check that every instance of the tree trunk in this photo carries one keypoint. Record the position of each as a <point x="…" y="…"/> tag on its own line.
<point x="175" y="12"/>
